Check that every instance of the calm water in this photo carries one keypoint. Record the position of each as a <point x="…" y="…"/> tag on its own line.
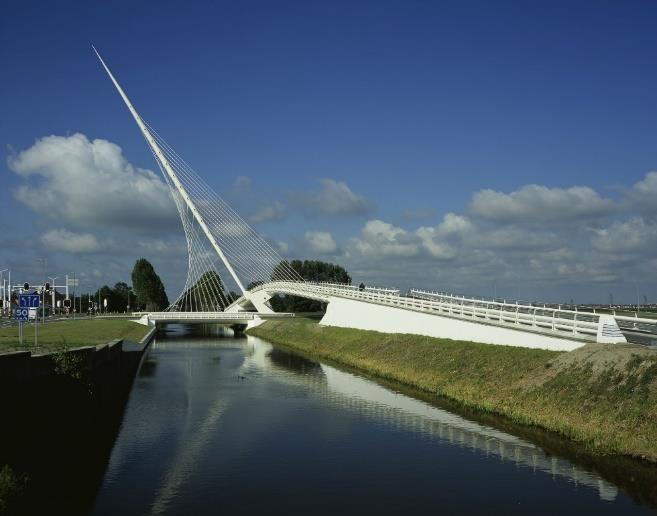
<point x="236" y="426"/>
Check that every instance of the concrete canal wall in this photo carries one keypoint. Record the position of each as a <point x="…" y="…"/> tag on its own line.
<point x="101" y="370"/>
<point x="61" y="413"/>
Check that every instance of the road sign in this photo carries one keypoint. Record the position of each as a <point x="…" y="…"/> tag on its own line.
<point x="22" y="314"/>
<point x="73" y="282"/>
<point x="28" y="301"/>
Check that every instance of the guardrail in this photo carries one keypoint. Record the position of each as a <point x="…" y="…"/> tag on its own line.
<point x="183" y="316"/>
<point x="544" y="320"/>
<point x="192" y="316"/>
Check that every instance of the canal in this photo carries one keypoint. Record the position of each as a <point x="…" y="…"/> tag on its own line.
<point x="216" y="424"/>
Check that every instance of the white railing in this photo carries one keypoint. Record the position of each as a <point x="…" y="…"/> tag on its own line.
<point x="184" y="316"/>
<point x="635" y="319"/>
<point x="540" y="318"/>
<point x="527" y="317"/>
<point x="343" y="286"/>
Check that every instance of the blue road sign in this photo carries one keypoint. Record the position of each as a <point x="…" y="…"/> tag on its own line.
<point x="22" y="314"/>
<point x="28" y="301"/>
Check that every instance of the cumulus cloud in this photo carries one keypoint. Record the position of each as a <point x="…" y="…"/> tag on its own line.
<point x="379" y="238"/>
<point x="89" y="184"/>
<point x="642" y="197"/>
<point x="242" y="184"/>
<point x="269" y="212"/>
<point x="69" y="242"/>
<point x="320" y="242"/>
<point x="468" y="253"/>
<point x="335" y="198"/>
<point x="533" y="204"/>
<point x="431" y="241"/>
<point x="635" y="235"/>
<point x="97" y="206"/>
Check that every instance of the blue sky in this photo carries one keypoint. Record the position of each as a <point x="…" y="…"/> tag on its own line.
<point x="413" y="125"/>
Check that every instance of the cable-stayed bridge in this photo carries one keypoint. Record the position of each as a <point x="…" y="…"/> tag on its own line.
<point x="222" y="246"/>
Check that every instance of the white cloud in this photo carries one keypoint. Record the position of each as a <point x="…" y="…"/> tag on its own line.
<point x="433" y="244"/>
<point x="642" y="197"/>
<point x="335" y="198"/>
<point x="532" y="204"/>
<point x="379" y="239"/>
<point x="268" y="212"/>
<point x="320" y="242"/>
<point x="632" y="236"/>
<point x="242" y="184"/>
<point x="90" y="184"/>
<point x="66" y="241"/>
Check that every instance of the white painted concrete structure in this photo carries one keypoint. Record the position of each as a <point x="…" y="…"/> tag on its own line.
<point x="444" y="316"/>
<point x="349" y="313"/>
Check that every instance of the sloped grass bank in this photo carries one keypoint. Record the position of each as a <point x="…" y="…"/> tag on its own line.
<point x="602" y="396"/>
<point x="56" y="336"/>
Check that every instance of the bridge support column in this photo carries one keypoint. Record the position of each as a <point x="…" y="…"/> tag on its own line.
<point x="258" y="299"/>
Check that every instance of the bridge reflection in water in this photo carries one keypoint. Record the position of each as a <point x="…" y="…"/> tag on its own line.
<point x="368" y="399"/>
<point x="211" y="421"/>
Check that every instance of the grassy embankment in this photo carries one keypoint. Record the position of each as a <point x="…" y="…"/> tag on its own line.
<point x="602" y="396"/>
<point x="60" y="335"/>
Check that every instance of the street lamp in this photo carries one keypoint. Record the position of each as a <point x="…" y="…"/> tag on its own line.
<point x="52" y="286"/>
<point x="74" y="284"/>
<point x="4" y="292"/>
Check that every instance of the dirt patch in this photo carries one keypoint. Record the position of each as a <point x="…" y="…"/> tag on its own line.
<point x="597" y="358"/>
<point x="603" y="357"/>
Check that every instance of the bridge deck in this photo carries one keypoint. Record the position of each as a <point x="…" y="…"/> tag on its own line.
<point x="209" y="317"/>
<point x="570" y="324"/>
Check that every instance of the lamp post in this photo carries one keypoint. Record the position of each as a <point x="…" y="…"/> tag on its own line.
<point x="638" y="303"/>
<point x="4" y="292"/>
<point x="74" y="284"/>
<point x="52" y="286"/>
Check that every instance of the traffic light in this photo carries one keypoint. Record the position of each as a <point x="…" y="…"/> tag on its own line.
<point x="47" y="287"/>
<point x="26" y="286"/>
<point x="67" y="303"/>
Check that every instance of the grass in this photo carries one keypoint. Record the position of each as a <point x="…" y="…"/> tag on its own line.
<point x="60" y="335"/>
<point x="628" y="313"/>
<point x="602" y="396"/>
<point x="11" y="486"/>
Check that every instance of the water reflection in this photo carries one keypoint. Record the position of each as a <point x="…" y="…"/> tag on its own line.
<point x="352" y="392"/>
<point x="227" y="424"/>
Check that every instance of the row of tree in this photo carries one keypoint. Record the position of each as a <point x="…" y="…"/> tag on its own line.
<point x="310" y="270"/>
<point x="147" y="291"/>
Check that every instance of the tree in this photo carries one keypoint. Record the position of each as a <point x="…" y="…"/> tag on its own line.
<point x="120" y="297"/>
<point x="254" y="284"/>
<point x="148" y="287"/>
<point x="207" y="294"/>
<point x="103" y="293"/>
<point x="310" y="270"/>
